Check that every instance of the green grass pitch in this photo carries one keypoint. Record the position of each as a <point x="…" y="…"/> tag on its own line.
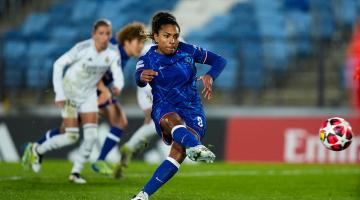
<point x="217" y="181"/>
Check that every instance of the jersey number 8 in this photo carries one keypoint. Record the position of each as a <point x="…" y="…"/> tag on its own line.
<point x="200" y="122"/>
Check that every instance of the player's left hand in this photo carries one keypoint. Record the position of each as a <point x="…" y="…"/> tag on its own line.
<point x="207" y="81"/>
<point x="115" y="91"/>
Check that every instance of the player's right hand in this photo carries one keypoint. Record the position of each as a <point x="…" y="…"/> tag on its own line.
<point x="60" y="104"/>
<point x="147" y="75"/>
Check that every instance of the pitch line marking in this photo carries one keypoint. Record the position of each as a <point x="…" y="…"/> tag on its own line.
<point x="11" y="178"/>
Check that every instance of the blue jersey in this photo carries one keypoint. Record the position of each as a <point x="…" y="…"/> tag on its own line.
<point x="176" y="80"/>
<point x="174" y="89"/>
<point x="108" y="78"/>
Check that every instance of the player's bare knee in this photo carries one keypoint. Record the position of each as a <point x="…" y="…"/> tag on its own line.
<point x="120" y="116"/>
<point x="119" y="123"/>
<point x="169" y="121"/>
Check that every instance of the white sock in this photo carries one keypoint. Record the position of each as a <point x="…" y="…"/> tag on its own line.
<point x="90" y="136"/>
<point x="70" y="136"/>
<point x="142" y="135"/>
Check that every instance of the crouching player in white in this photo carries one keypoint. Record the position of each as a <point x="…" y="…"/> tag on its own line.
<point x="75" y="90"/>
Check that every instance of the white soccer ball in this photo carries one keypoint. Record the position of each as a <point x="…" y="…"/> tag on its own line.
<point x="336" y="134"/>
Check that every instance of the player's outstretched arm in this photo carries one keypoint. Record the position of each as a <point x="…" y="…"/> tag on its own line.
<point x="217" y="64"/>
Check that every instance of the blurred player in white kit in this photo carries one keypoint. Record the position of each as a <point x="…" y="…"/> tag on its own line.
<point x="75" y="78"/>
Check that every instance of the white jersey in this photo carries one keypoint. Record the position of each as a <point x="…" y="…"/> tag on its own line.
<point x="144" y="95"/>
<point x="85" y="69"/>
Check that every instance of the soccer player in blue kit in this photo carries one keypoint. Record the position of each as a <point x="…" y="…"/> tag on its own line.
<point x="169" y="68"/>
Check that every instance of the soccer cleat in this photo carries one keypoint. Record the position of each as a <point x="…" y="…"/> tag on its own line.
<point x="126" y="155"/>
<point x="102" y="167"/>
<point x="25" y="159"/>
<point x="31" y="159"/>
<point x="76" y="178"/>
<point x="35" y="159"/>
<point x="141" y="196"/>
<point x="200" y="153"/>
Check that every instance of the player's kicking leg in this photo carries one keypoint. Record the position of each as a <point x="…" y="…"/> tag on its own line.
<point x="184" y="141"/>
<point x="187" y="137"/>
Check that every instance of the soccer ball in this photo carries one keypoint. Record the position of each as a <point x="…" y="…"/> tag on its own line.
<point x="336" y="134"/>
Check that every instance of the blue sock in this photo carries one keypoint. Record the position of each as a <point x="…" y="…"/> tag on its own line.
<point x="184" y="137"/>
<point x="49" y="134"/>
<point x="111" y="140"/>
<point x="163" y="173"/>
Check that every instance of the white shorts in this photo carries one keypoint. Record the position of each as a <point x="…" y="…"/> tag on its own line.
<point x="144" y="97"/>
<point x="72" y="108"/>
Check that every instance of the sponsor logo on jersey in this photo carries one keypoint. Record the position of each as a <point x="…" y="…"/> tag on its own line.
<point x="140" y="64"/>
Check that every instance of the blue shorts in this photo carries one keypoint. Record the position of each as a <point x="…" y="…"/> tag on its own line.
<point x="193" y="115"/>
